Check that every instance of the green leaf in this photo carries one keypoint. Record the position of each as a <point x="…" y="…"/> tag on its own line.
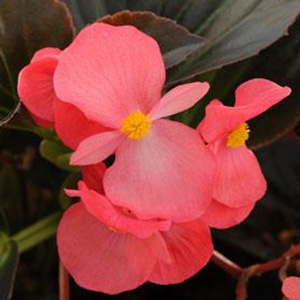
<point x="27" y="26"/>
<point x="238" y="30"/>
<point x="163" y="30"/>
<point x="57" y="153"/>
<point x="37" y="233"/>
<point x="9" y="257"/>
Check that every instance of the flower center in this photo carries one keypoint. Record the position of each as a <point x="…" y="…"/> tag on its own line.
<point x="136" y="125"/>
<point x="238" y="136"/>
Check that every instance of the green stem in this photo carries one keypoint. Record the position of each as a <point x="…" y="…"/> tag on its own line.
<point x="37" y="233"/>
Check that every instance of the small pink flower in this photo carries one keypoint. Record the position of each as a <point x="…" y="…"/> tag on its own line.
<point x="36" y="91"/>
<point x="114" y="76"/>
<point x="239" y="181"/>
<point x="107" y="249"/>
<point x="291" y="288"/>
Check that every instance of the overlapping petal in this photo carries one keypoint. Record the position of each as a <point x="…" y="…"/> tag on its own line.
<point x="178" y="99"/>
<point x="167" y="174"/>
<point x="190" y="248"/>
<point x="35" y="88"/>
<point x="108" y="72"/>
<point x="239" y="179"/>
<point x="46" y="53"/>
<point x="93" y="176"/>
<point x="72" y="126"/>
<point x="100" y="259"/>
<point x="221" y="216"/>
<point x="252" y="98"/>
<point x="119" y="219"/>
<point x="96" y="148"/>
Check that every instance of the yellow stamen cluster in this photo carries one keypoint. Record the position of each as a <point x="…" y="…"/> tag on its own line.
<point x="136" y="125"/>
<point x="238" y="136"/>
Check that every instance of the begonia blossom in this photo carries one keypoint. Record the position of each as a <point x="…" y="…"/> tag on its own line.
<point x="114" y="76"/>
<point x="291" y="288"/>
<point x="239" y="180"/>
<point x="107" y="249"/>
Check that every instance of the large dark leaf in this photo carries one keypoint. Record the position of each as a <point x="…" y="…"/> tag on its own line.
<point x="237" y="30"/>
<point x="8" y="264"/>
<point x="189" y="13"/>
<point x="163" y="30"/>
<point x="27" y="26"/>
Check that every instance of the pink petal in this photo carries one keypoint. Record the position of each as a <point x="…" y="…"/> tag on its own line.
<point x="239" y="181"/>
<point x="221" y="216"/>
<point x="119" y="219"/>
<point x="190" y="247"/>
<point x="100" y="259"/>
<point x="291" y="287"/>
<point x="93" y="176"/>
<point x="97" y="147"/>
<point x="110" y="71"/>
<point x="252" y="98"/>
<point x="260" y="94"/>
<point x="35" y="88"/>
<point x="46" y="52"/>
<point x="72" y="126"/>
<point x="179" y="99"/>
<point x="167" y="174"/>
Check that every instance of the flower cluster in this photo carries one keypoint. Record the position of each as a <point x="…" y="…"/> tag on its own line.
<point x="147" y="216"/>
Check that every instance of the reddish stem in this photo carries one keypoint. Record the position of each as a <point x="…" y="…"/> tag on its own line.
<point x="244" y="274"/>
<point x="226" y="264"/>
<point x="64" y="283"/>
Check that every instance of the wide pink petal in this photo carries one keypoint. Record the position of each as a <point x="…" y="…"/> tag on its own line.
<point x="35" y="88"/>
<point x="190" y="248"/>
<point x="72" y="126"/>
<point x="239" y="181"/>
<point x="93" y="176"/>
<point x="46" y="52"/>
<point x="179" y="99"/>
<point x="291" y="288"/>
<point x="119" y="219"/>
<point x="252" y="98"/>
<point x="96" y="148"/>
<point x="110" y="71"/>
<point x="167" y="174"/>
<point x="221" y="216"/>
<point x="100" y="259"/>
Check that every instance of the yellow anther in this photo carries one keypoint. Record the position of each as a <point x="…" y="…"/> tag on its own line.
<point x="238" y="136"/>
<point x="111" y="229"/>
<point x="136" y="125"/>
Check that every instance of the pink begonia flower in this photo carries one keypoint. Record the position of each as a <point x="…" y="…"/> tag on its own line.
<point x="36" y="91"/>
<point x="114" y="76"/>
<point x="291" y="288"/>
<point x="107" y="249"/>
<point x="239" y="181"/>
